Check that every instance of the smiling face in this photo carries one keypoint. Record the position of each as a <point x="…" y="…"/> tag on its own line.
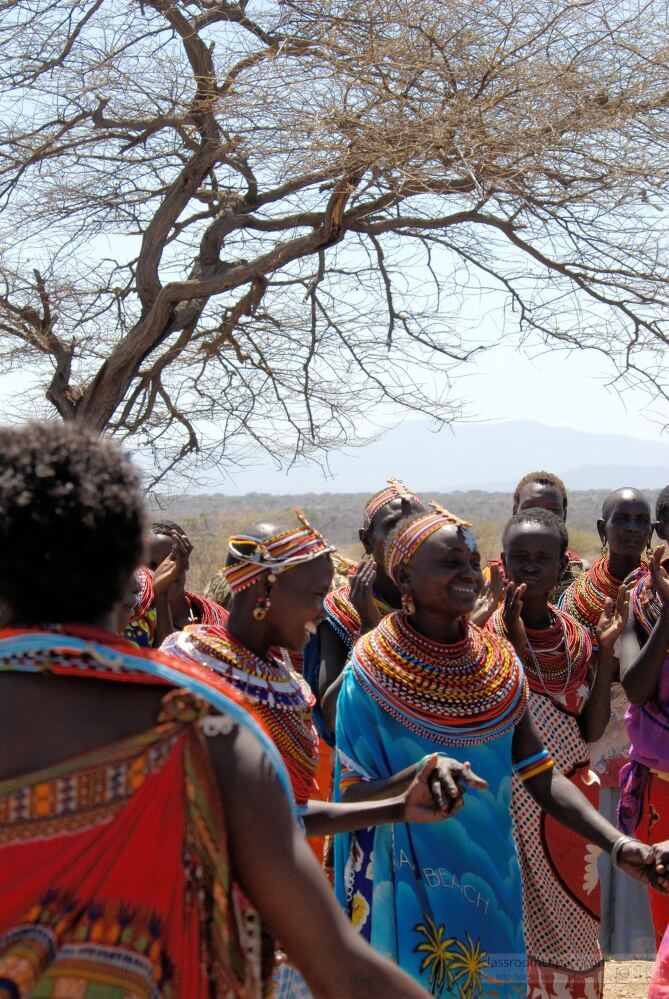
<point x="626" y="525"/>
<point x="444" y="575"/>
<point x="296" y="607"/>
<point x="540" y="495"/>
<point x="532" y="555"/>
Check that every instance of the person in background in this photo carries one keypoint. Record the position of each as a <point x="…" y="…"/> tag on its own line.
<point x="644" y="665"/>
<point x="569" y="701"/>
<point x="625" y="529"/>
<point x="185" y="607"/>
<point x="146" y="833"/>
<point x="445" y="901"/>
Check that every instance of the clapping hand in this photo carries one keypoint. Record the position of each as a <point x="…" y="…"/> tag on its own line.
<point x="488" y="599"/>
<point x="513" y="622"/>
<point x="174" y="568"/>
<point x="613" y="618"/>
<point x="362" y="594"/>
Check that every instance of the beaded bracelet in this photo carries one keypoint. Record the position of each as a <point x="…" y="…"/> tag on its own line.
<point x="617" y="847"/>
<point x="533" y="765"/>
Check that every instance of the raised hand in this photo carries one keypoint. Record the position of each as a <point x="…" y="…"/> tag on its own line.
<point x="613" y="618"/>
<point x="489" y="597"/>
<point x="658" y="575"/>
<point x="513" y="622"/>
<point x="174" y="568"/>
<point x="437" y="791"/>
<point x="362" y="594"/>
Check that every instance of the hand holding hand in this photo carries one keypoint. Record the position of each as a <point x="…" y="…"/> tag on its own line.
<point x="646" y="863"/>
<point x="437" y="791"/>
<point x="613" y="619"/>
<point x="362" y="594"/>
<point x="488" y="599"/>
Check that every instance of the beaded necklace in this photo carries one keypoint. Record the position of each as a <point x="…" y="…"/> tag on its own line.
<point x="343" y="617"/>
<point x="646" y="605"/>
<point x="464" y="693"/>
<point x="280" y="697"/>
<point x="556" y="659"/>
<point x="585" y="598"/>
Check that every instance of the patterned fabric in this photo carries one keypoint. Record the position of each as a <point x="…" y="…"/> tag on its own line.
<point x="272" y="555"/>
<point x="442" y="900"/>
<point x="556" y="660"/>
<point x="279" y="696"/>
<point x="561" y="902"/>
<point x="394" y="490"/>
<point x="86" y="908"/>
<point x="466" y="693"/>
<point x="141" y="628"/>
<point x="342" y="616"/>
<point x="653" y="827"/>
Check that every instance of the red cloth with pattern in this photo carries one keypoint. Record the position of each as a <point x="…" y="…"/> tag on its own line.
<point x="561" y="898"/>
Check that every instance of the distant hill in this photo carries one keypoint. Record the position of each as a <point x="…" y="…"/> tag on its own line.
<point x="481" y="456"/>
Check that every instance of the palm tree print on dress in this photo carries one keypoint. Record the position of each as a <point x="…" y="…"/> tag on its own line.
<point x="450" y="961"/>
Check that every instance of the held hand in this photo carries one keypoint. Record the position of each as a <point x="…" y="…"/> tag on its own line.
<point x="613" y="619"/>
<point x="362" y="594"/>
<point x="645" y="863"/>
<point x="173" y="569"/>
<point x="488" y="599"/>
<point x="658" y="575"/>
<point x="437" y="791"/>
<point x="513" y="605"/>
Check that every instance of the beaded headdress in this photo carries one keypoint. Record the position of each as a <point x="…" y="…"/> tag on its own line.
<point x="394" y="490"/>
<point x="404" y="544"/>
<point x="283" y="551"/>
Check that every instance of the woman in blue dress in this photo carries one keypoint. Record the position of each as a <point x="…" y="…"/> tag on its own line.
<point x="445" y="901"/>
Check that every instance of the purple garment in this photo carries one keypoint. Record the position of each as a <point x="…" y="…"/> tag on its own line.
<point x="648" y="730"/>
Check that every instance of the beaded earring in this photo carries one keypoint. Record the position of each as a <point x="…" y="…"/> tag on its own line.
<point x="649" y="549"/>
<point x="264" y="601"/>
<point x="408" y="605"/>
<point x="603" y="549"/>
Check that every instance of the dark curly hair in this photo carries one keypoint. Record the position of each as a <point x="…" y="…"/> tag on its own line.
<point x="164" y="528"/>
<point x="542" y="479"/>
<point x="71" y="523"/>
<point x="542" y="518"/>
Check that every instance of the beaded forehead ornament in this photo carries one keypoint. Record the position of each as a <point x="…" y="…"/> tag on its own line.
<point x="394" y="490"/>
<point x="274" y="555"/>
<point x="404" y="545"/>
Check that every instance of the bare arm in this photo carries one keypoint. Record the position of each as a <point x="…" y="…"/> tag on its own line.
<point x="641" y="677"/>
<point x="597" y="710"/>
<point x="283" y="880"/>
<point x="559" y="798"/>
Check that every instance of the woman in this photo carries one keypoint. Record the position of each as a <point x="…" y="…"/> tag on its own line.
<point x="185" y="607"/>
<point x="644" y="781"/>
<point x="144" y="830"/>
<point x="569" y="704"/>
<point x="445" y="903"/>
<point x="625" y="530"/>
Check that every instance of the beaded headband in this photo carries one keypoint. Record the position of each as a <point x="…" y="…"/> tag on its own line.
<point x="275" y="555"/>
<point x="394" y="490"/>
<point x="408" y="540"/>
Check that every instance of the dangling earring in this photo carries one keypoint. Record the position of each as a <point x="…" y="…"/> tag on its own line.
<point x="603" y="549"/>
<point x="264" y="602"/>
<point x="649" y="549"/>
<point x="408" y="605"/>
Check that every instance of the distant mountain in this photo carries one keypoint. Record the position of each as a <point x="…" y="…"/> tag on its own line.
<point x="483" y="456"/>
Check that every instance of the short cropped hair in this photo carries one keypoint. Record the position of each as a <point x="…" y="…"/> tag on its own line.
<point x="541" y="479"/>
<point x="542" y="518"/>
<point x="71" y="523"/>
<point x="164" y="528"/>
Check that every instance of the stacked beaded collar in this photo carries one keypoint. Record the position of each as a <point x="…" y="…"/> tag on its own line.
<point x="465" y="693"/>
<point x="585" y="598"/>
<point x="273" y="555"/>
<point x="342" y="616"/>
<point x="280" y="697"/>
<point x="406" y="542"/>
<point x="645" y="603"/>
<point x="557" y="659"/>
<point x="394" y="490"/>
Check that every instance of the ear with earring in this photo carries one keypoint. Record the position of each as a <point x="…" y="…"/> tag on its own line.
<point x="264" y="601"/>
<point x="408" y="605"/>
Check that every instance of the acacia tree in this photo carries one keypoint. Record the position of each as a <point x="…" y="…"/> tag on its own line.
<point x="232" y="222"/>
